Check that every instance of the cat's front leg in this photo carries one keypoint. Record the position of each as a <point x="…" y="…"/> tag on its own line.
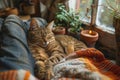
<point x="40" y="70"/>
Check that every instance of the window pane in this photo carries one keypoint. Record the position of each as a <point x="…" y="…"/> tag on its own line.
<point x="72" y="4"/>
<point x="105" y="15"/>
<point x="84" y="6"/>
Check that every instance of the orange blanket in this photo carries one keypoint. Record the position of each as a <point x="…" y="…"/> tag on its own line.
<point x="16" y="75"/>
<point x="92" y="65"/>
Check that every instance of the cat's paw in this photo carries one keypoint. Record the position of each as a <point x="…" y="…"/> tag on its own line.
<point x="54" y="59"/>
<point x="40" y="69"/>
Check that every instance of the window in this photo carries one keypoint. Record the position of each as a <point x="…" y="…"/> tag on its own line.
<point x="103" y="16"/>
<point x="85" y="11"/>
<point x="82" y="6"/>
<point x="72" y="4"/>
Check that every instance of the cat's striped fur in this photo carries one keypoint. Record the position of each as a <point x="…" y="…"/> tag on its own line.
<point x="46" y="47"/>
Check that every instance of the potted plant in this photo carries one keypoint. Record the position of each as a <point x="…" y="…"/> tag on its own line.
<point x="62" y="17"/>
<point x="59" y="30"/>
<point x="68" y="18"/>
<point x="75" y="26"/>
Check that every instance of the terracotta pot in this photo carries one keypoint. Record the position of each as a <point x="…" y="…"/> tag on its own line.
<point x="74" y="34"/>
<point x="59" y="30"/>
<point x="89" y="37"/>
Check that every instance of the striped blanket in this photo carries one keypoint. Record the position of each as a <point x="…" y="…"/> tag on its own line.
<point x="16" y="75"/>
<point x="89" y="66"/>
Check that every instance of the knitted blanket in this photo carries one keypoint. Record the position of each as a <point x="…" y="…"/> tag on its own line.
<point x="90" y="66"/>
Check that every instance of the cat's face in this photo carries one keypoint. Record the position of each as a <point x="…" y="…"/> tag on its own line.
<point x="41" y="36"/>
<point x="46" y="37"/>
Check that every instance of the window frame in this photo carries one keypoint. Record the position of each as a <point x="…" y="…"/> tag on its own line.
<point x="94" y="10"/>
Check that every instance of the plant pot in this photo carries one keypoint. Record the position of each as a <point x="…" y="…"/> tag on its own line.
<point x="59" y="30"/>
<point x="89" y="38"/>
<point x="74" y="34"/>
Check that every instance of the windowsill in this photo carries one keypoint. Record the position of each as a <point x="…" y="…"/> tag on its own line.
<point x="106" y="36"/>
<point x="105" y="29"/>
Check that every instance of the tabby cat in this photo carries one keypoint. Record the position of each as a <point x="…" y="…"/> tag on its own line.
<point x="48" y="49"/>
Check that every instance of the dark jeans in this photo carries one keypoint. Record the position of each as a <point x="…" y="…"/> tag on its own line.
<point x="14" y="51"/>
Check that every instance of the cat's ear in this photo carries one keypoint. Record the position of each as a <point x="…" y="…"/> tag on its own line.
<point x="33" y="24"/>
<point x="50" y="25"/>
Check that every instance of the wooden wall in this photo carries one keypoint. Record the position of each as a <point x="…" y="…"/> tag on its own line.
<point x="107" y="43"/>
<point x="116" y="24"/>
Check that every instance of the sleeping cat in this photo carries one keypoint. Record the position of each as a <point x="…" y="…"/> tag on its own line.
<point x="48" y="49"/>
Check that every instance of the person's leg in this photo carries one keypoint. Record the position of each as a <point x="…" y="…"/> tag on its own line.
<point x="1" y="21"/>
<point x="14" y="51"/>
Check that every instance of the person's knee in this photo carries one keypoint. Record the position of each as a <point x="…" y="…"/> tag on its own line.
<point x="13" y="20"/>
